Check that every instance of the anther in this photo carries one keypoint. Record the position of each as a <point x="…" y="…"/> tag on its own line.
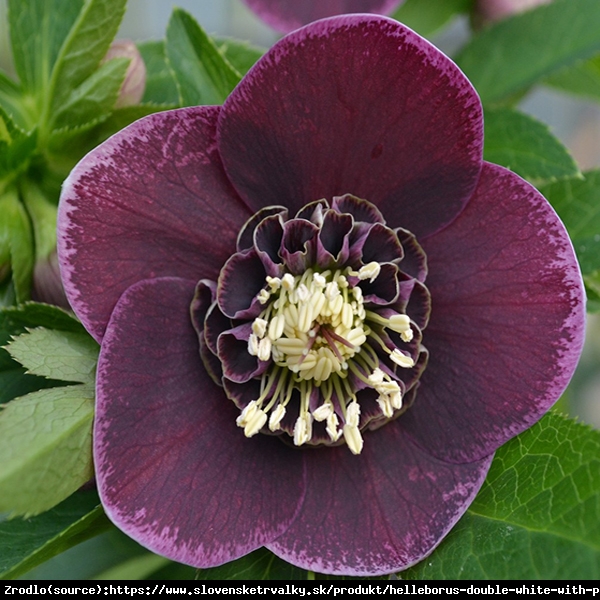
<point x="323" y="412"/>
<point x="303" y="429"/>
<point x="276" y="327"/>
<point x="332" y="429"/>
<point x="276" y="418"/>
<point x="255" y="423"/>
<point x="247" y="413"/>
<point x="274" y="283"/>
<point x="287" y="282"/>
<point x="401" y="359"/>
<point x="263" y="296"/>
<point x="259" y="327"/>
<point x="264" y="349"/>
<point x="353" y="439"/>
<point x="369" y="271"/>
<point x="319" y="280"/>
<point x="353" y="414"/>
<point x="253" y="345"/>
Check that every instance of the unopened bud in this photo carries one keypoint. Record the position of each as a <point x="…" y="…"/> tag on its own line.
<point x="134" y="84"/>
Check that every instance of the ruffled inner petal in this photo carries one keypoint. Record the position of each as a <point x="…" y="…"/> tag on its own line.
<point x="360" y="209"/>
<point x="384" y="289"/>
<point x="241" y="278"/>
<point x="245" y="239"/>
<point x="202" y="305"/>
<point x="333" y="241"/>
<point x="238" y="364"/>
<point x="298" y="247"/>
<point x="381" y="244"/>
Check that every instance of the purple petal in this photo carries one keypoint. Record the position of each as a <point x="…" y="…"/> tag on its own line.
<point x="333" y="239"/>
<point x="415" y="260"/>
<point x="152" y="200"/>
<point x="360" y="209"/>
<point x="174" y="471"/>
<point x="242" y="277"/>
<point x="359" y="105"/>
<point x="268" y="236"/>
<point x="215" y="324"/>
<point x="287" y="15"/>
<point x="381" y="244"/>
<point x="298" y="245"/>
<point x="245" y="239"/>
<point x="419" y="305"/>
<point x="238" y="364"/>
<point x="313" y="211"/>
<point x="202" y="305"/>
<point x="378" y="512"/>
<point x="507" y="321"/>
<point x="385" y="288"/>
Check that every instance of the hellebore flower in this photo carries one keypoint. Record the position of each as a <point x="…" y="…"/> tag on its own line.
<point x="320" y="311"/>
<point x="287" y="15"/>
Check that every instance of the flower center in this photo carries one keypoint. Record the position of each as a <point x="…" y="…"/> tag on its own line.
<point x="314" y="328"/>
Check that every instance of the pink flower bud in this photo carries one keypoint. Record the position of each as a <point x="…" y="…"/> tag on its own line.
<point x="47" y="284"/>
<point x="134" y="84"/>
<point x="489" y="11"/>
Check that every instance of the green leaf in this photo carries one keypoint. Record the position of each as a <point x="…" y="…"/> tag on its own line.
<point x="242" y="55"/>
<point x="526" y="146"/>
<point x="37" y="32"/>
<point x="14" y="321"/>
<point x="136" y="568"/>
<point x="260" y="564"/>
<point x="26" y="543"/>
<point x="161" y="87"/>
<point x="577" y="202"/>
<point x="14" y="382"/>
<point x="95" y="98"/>
<point x="11" y="101"/>
<point x="428" y="16"/>
<point x="16" y="242"/>
<point x="16" y="146"/>
<point x="582" y="79"/>
<point x="43" y="214"/>
<point x="46" y="448"/>
<point x="173" y="571"/>
<point x="45" y="436"/>
<point x="508" y="57"/>
<point x="537" y="515"/>
<point x="203" y="74"/>
<point x="7" y="298"/>
<point x="592" y="288"/>
<point x="63" y="355"/>
<point x="34" y="314"/>
<point x="86" y="45"/>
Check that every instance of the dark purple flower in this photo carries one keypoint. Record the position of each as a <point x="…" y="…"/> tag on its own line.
<point x="326" y="260"/>
<point x="287" y="15"/>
